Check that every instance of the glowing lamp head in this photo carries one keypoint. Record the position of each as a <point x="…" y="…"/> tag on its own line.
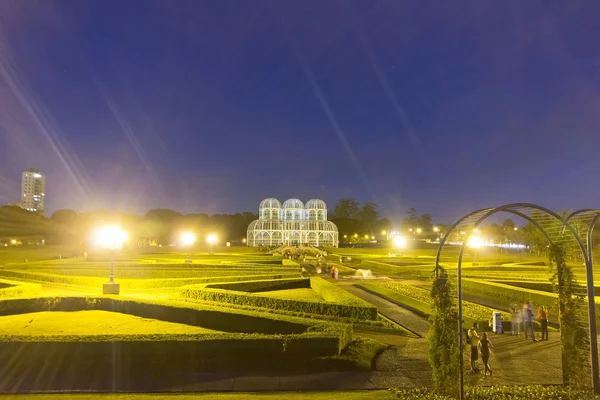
<point x="212" y="239"/>
<point x="355" y="235"/>
<point x="383" y="232"/>
<point x="244" y="240"/>
<point x="436" y="229"/>
<point x="188" y="238"/>
<point x="111" y="237"/>
<point x="419" y="230"/>
<point x="475" y="242"/>
<point x="400" y="242"/>
<point x="13" y="241"/>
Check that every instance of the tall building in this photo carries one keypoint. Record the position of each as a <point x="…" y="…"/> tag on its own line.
<point x="32" y="190"/>
<point x="292" y="224"/>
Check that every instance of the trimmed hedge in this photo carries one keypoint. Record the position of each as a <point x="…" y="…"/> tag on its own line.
<point x="251" y="334"/>
<point x="514" y="293"/>
<point x="537" y="285"/>
<point x="133" y="283"/>
<point x="344" y="306"/>
<point x="334" y="294"/>
<point x="537" y="392"/>
<point x="263" y="286"/>
<point x="421" y="305"/>
<point x="15" y="289"/>
<point x="162" y="273"/>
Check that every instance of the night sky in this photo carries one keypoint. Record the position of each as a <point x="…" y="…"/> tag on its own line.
<point x="211" y="106"/>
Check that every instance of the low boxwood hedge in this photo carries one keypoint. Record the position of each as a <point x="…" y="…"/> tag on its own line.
<point x="537" y="392"/>
<point x="135" y="283"/>
<point x="162" y="273"/>
<point x="337" y="304"/>
<point x="537" y="285"/>
<point x="418" y="301"/>
<point x="263" y="285"/>
<point x="514" y="293"/>
<point x="254" y="341"/>
<point x="15" y="289"/>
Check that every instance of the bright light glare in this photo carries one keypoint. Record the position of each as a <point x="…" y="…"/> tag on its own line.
<point x="419" y="230"/>
<point x="211" y="239"/>
<point x="13" y="241"/>
<point x="188" y="238"/>
<point x="475" y="242"/>
<point x="111" y="237"/>
<point x="383" y="232"/>
<point x="436" y="229"/>
<point x="399" y="241"/>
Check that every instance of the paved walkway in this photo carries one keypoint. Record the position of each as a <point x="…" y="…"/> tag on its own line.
<point x="392" y="311"/>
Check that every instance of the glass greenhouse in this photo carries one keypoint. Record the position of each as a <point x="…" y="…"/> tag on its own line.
<point x="292" y="223"/>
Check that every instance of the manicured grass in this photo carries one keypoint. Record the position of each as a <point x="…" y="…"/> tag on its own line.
<point x="334" y="395"/>
<point x="302" y="294"/>
<point x="92" y="322"/>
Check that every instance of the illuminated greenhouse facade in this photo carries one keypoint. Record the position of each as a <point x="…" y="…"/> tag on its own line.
<point x="292" y="223"/>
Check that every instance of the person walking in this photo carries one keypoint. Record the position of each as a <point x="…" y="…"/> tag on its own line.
<point x="543" y="320"/>
<point x="473" y="337"/>
<point x="528" y="322"/>
<point x="484" y="348"/>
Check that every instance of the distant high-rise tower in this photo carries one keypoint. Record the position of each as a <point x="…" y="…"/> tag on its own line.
<point x="32" y="190"/>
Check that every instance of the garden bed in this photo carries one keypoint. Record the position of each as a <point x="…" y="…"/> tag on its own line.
<point x="246" y="341"/>
<point x="419" y="301"/>
<point x="336" y="301"/>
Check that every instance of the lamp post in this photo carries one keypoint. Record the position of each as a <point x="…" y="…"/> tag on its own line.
<point x="475" y="243"/>
<point x="112" y="238"/>
<point x="211" y="239"/>
<point x="188" y="239"/>
<point x="400" y="242"/>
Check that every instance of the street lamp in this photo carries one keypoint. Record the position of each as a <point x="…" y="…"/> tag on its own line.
<point x="475" y="243"/>
<point x="188" y="239"/>
<point x="419" y="230"/>
<point x="112" y="238"/>
<point x="400" y="242"/>
<point x="436" y="229"/>
<point x="211" y="239"/>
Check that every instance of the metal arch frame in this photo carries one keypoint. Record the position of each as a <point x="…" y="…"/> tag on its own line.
<point x="509" y="208"/>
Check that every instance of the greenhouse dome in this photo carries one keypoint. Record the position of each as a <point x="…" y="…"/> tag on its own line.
<point x="292" y="224"/>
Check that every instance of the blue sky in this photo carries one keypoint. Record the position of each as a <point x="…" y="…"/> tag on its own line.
<point x="211" y="106"/>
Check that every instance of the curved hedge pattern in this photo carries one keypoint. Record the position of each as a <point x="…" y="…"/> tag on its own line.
<point x="338" y="302"/>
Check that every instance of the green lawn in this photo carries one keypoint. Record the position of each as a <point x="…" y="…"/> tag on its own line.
<point x="297" y="294"/>
<point x="348" y="395"/>
<point x="90" y="323"/>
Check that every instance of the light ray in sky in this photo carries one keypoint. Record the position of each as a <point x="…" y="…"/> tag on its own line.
<point x="40" y="119"/>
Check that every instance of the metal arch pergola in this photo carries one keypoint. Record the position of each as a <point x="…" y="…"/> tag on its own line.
<point x="558" y="231"/>
<point x="584" y="221"/>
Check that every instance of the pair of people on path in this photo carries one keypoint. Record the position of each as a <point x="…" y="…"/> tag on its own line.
<point x="482" y="345"/>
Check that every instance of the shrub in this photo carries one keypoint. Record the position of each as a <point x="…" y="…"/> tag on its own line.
<point x="501" y="393"/>
<point x="444" y="354"/>
<point x="573" y="335"/>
